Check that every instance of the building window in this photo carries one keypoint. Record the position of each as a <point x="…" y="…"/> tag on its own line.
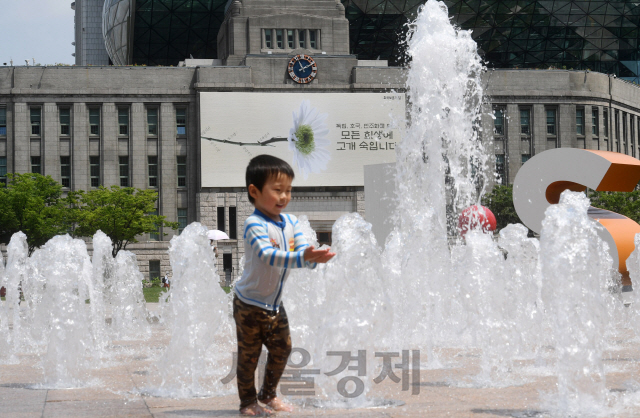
<point x="594" y="122"/>
<point x="302" y="41"/>
<point x="290" y="39"/>
<point x="525" y="158"/>
<point x="233" y="223"/>
<point x="3" y="121"/>
<point x="36" y="165"/>
<point x="181" y="121"/>
<point x="153" y="171"/>
<point x="123" y="121"/>
<point x="605" y="122"/>
<point x="182" y="171"/>
<point x="155" y="236"/>
<point x="154" y="269"/>
<point x="152" y="122"/>
<point x="624" y="132"/>
<point x="94" y="121"/>
<point x="3" y="170"/>
<point x="616" y="125"/>
<point x="124" y="171"/>
<point x="65" y="121"/>
<point x="268" y="43"/>
<point x="279" y="39"/>
<point x="324" y="238"/>
<point x="501" y="175"/>
<point x="182" y="220"/>
<point x="313" y="39"/>
<point x="498" y="122"/>
<point x="227" y="267"/>
<point x="65" y="171"/>
<point x="94" y="170"/>
<point x="580" y="121"/>
<point x="35" y="121"/>
<point x="221" y="223"/>
<point x="525" y="121"/>
<point x="551" y="121"/>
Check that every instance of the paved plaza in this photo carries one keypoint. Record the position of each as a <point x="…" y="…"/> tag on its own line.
<point x="118" y="390"/>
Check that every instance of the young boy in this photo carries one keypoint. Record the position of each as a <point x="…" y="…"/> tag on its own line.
<point x="274" y="244"/>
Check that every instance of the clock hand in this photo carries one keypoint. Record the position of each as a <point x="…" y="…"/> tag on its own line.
<point x="300" y="64"/>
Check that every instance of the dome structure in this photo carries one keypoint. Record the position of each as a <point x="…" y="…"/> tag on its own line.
<point x="117" y="30"/>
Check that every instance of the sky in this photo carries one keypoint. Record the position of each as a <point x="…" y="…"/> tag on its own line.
<point x="36" y="29"/>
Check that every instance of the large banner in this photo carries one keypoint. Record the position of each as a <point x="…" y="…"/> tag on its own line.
<point x="326" y="137"/>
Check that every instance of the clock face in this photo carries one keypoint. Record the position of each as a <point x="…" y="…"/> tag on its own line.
<point x="302" y="69"/>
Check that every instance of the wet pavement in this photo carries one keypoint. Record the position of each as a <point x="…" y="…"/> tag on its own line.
<point x="118" y="389"/>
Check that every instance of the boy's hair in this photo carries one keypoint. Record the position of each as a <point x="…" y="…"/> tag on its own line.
<point x="262" y="167"/>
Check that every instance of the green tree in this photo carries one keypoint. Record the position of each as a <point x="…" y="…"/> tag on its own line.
<point x="624" y="203"/>
<point x="500" y="202"/>
<point x="33" y="204"/>
<point x="121" y="213"/>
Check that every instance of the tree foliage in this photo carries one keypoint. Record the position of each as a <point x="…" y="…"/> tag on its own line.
<point x="500" y="202"/>
<point x="33" y="204"/>
<point x="624" y="203"/>
<point x="121" y="213"/>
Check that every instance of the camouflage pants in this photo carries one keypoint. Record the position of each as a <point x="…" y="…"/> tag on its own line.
<point x="255" y="327"/>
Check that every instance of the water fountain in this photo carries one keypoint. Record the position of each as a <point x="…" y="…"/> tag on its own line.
<point x="525" y="308"/>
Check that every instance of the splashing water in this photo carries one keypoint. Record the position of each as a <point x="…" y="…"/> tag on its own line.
<point x="15" y="273"/>
<point x="64" y="264"/>
<point x="576" y="274"/>
<point x="129" y="312"/>
<point x="201" y="331"/>
<point x="4" y="317"/>
<point x="102" y="287"/>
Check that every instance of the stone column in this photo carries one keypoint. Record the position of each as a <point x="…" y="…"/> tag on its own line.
<point x="602" y="145"/>
<point x="566" y="126"/>
<point x="588" y="123"/>
<point x="10" y="135"/>
<point x="193" y="160"/>
<point x="632" y="134"/>
<point x="109" y="145"/>
<point x="168" y="179"/>
<point x="539" y="134"/>
<point x="80" y="148"/>
<point x="21" y="139"/>
<point x="138" y="151"/>
<point x="626" y="134"/>
<point x="513" y="154"/>
<point x="50" y="141"/>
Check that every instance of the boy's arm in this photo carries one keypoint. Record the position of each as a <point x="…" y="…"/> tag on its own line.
<point x="257" y="236"/>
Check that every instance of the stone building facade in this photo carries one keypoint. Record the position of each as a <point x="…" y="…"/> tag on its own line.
<point x="535" y="110"/>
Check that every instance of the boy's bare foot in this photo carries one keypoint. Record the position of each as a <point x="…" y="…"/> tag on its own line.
<point x="255" y="410"/>
<point x="278" y="404"/>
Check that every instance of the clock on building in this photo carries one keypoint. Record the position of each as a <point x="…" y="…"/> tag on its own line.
<point x="302" y="68"/>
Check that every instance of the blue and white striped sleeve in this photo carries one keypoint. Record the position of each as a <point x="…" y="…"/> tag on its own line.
<point x="257" y="236"/>
<point x="299" y="241"/>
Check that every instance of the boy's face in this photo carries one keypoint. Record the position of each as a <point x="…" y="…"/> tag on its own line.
<point x="274" y="196"/>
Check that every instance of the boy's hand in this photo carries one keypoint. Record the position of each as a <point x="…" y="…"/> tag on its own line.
<point x="318" y="256"/>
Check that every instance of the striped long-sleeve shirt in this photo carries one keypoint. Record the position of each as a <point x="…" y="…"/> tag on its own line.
<point x="272" y="249"/>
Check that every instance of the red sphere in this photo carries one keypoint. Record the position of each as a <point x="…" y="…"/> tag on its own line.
<point x="476" y="217"/>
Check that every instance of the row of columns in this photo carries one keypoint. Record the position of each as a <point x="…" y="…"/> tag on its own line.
<point x="515" y="145"/>
<point x="79" y="145"/>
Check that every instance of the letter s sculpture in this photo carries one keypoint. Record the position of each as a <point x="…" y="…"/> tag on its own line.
<point x="544" y="177"/>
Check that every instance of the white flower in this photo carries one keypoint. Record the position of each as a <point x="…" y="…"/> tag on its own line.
<point x="308" y="140"/>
